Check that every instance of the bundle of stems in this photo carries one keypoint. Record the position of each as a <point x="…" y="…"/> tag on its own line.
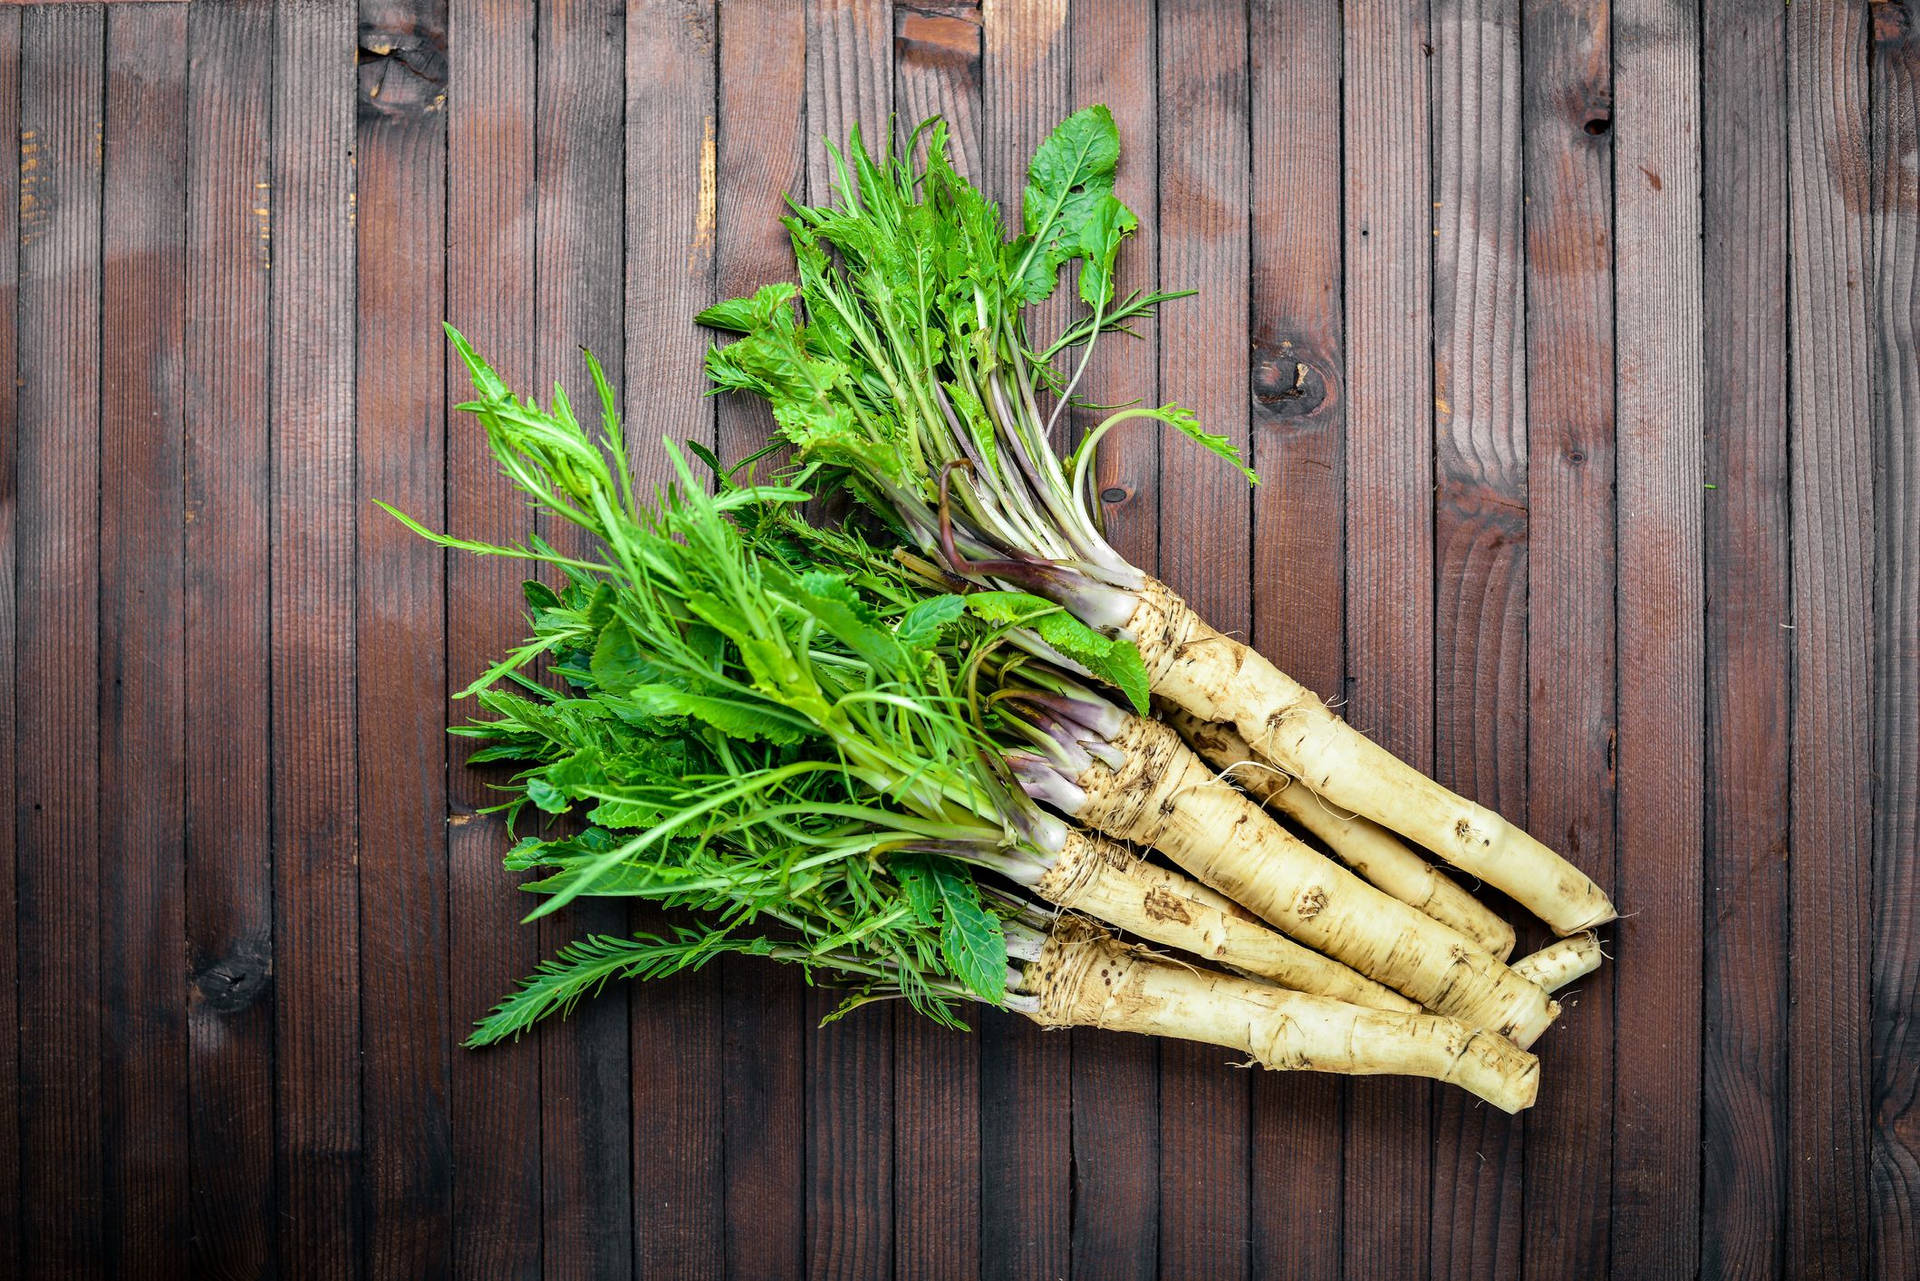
<point x="902" y="355"/>
<point x="790" y="753"/>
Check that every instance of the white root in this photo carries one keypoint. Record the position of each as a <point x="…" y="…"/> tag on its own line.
<point x="1095" y="876"/>
<point x="1164" y="796"/>
<point x="1086" y="979"/>
<point x="1217" y="678"/>
<point x="1562" y="961"/>
<point x="1369" y="849"/>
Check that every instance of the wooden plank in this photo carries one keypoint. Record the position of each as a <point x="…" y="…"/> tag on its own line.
<point x="762" y="157"/>
<point x="1390" y="552"/>
<point x="849" y="1065"/>
<point x="1660" y="593"/>
<point x="400" y="149"/>
<point x="936" y="72"/>
<point x="679" y="1188"/>
<point x="10" y="208"/>
<point x="1743" y="1051"/>
<point x="495" y="1107"/>
<point x="1026" y="1077"/>
<point x="849" y="81"/>
<point x="1299" y="545"/>
<point x="1480" y="533"/>
<point x="142" y="765"/>
<point x="936" y="1080"/>
<point x="229" y="885"/>
<point x="1830" y="463"/>
<point x="580" y="153"/>
<point x="1204" y="1107"/>
<point x="314" y="656"/>
<point x="1567" y="122"/>
<point x="1894" y="1191"/>
<point x="1116" y="1077"/>
<point x="56" y="495"/>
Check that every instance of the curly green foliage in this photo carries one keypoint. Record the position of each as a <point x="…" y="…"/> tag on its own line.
<point x="753" y="736"/>
<point x="902" y="352"/>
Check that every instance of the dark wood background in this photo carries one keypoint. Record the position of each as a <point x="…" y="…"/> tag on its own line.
<point x="1577" y="345"/>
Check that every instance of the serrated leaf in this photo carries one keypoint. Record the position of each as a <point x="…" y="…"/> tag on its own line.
<point x="971" y="938"/>
<point x="624" y="814"/>
<point x="540" y="597"/>
<point x="617" y="664"/>
<point x="1071" y="174"/>
<point x="1112" y="659"/>
<point x="916" y="882"/>
<point x="1007" y="606"/>
<point x="921" y="625"/>
<point x="756" y="311"/>
<point x="838" y="608"/>
<point x="570" y="774"/>
<point x="1124" y="669"/>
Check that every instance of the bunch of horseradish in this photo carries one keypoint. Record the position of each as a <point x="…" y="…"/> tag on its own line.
<point x="954" y="748"/>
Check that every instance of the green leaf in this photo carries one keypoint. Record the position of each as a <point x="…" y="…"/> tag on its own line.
<point x="1110" y="223"/>
<point x="618" y="664"/>
<point x="580" y="770"/>
<point x="921" y="625"/>
<point x="1008" y="606"/>
<point x="1113" y="659"/>
<point x="971" y="938"/>
<point x="746" y="315"/>
<point x="838" y="608"/>
<point x="1187" y="423"/>
<point x="540" y="597"/>
<point x="916" y="882"/>
<point x="546" y="795"/>
<point x="1069" y="178"/>
<point x="736" y="719"/>
<point x="624" y="814"/>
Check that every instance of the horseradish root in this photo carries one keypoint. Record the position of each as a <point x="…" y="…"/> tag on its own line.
<point x="1085" y="979"/>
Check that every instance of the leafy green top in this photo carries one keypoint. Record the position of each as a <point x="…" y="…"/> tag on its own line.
<point x="913" y="367"/>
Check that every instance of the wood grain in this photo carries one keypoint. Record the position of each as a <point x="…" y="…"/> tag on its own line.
<point x="228" y="888"/>
<point x="1567" y="124"/>
<point x="1297" y="433"/>
<point x="1830" y="463"/>
<point x="142" y="713"/>
<point x="315" y="658"/>
<point x="1672" y="249"/>
<point x="1657" y="324"/>
<point x="1743" y="1053"/>
<point x="586" y="1130"/>
<point x="401" y="156"/>
<point x="57" y="667"/>
<point x="1480" y="534"/>
<point x="10" y="178"/>
<point x="1894" y="1167"/>
<point x="1390" y="553"/>
<point x="494" y="1109"/>
<point x="850" y="1064"/>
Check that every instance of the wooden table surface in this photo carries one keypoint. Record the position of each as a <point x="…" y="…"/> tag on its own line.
<point x="1577" y="348"/>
